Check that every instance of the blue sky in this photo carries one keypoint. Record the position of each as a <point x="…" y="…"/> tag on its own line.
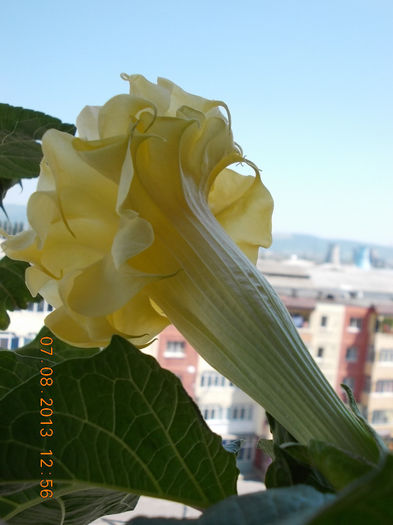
<point x="308" y="82"/>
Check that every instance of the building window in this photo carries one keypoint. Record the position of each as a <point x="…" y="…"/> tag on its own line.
<point x="42" y="306"/>
<point x="175" y="349"/>
<point x="386" y="355"/>
<point x="298" y="320"/>
<point x="9" y="341"/>
<point x="240" y="412"/>
<point x="324" y="320"/>
<point x="384" y="385"/>
<point x="320" y="352"/>
<point x="349" y="381"/>
<point x="212" y="379"/>
<point x="351" y="355"/>
<point x="380" y="417"/>
<point x="355" y="324"/>
<point x="212" y="412"/>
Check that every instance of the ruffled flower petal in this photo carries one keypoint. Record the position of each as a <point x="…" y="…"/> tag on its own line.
<point x="243" y="207"/>
<point x="87" y="123"/>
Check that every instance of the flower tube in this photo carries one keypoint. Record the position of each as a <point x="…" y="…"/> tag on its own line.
<point x="140" y="221"/>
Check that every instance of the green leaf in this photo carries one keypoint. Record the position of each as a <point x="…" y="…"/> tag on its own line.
<point x="267" y="446"/>
<point x="291" y="464"/>
<point x="279" y="433"/>
<point x="339" y="467"/>
<point x="366" y="501"/>
<point x="13" y="290"/>
<point x="80" y="507"/>
<point x="121" y="423"/>
<point x="285" y="506"/>
<point x="5" y="185"/>
<point x="376" y="438"/>
<point x="20" y="131"/>
<point x="20" y="151"/>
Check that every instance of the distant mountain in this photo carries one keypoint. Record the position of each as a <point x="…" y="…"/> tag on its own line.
<point x="316" y="248"/>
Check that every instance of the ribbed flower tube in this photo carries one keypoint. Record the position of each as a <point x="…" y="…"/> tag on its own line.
<point x="228" y="311"/>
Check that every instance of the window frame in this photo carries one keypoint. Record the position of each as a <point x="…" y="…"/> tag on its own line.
<point x="355" y="324"/>
<point x="384" y="386"/>
<point x="350" y="350"/>
<point x="175" y="353"/>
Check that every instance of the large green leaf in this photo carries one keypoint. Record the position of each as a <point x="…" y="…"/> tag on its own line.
<point x="366" y="501"/>
<point x="20" y="131"/>
<point x="121" y="423"/>
<point x="13" y="290"/>
<point x="338" y="467"/>
<point x="284" y="506"/>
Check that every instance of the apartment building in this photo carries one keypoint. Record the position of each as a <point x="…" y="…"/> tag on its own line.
<point x="355" y="339"/>
<point x="177" y="355"/>
<point x="378" y="378"/>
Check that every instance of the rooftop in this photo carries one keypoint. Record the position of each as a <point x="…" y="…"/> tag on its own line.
<point x="342" y="283"/>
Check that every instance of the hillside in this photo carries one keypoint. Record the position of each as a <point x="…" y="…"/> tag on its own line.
<point x="316" y="248"/>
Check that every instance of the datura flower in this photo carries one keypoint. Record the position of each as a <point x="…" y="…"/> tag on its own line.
<point x="140" y="222"/>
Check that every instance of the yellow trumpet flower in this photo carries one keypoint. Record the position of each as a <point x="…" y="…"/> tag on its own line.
<point x="140" y="221"/>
